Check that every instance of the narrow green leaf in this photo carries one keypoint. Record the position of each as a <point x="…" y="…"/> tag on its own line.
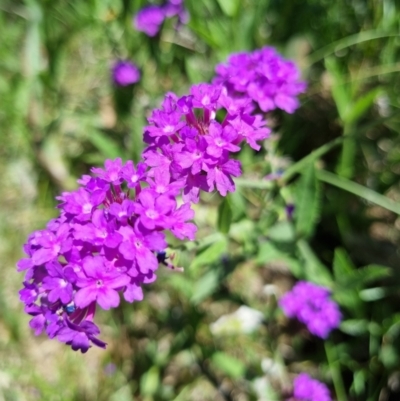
<point x="224" y="215"/>
<point x="231" y="366"/>
<point x="104" y="144"/>
<point x="308" y="202"/>
<point x="359" y="190"/>
<point x="358" y="108"/>
<point x="205" y="286"/>
<point x="301" y="164"/>
<point x="340" y="91"/>
<point x="347" y="42"/>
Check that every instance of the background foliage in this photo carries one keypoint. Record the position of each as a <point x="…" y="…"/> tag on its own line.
<point x="336" y="159"/>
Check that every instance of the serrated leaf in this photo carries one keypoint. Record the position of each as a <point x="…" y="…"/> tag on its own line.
<point x="314" y="269"/>
<point x="342" y="264"/>
<point x="365" y="275"/>
<point x="224" y="216"/>
<point x="231" y="366"/>
<point x="308" y="202"/>
<point x="205" y="286"/>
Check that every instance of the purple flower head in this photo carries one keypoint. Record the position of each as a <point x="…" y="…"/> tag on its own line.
<point x="308" y="389"/>
<point x="125" y="73"/>
<point x="149" y="20"/>
<point x="311" y="304"/>
<point x="263" y="76"/>
<point x="109" y="231"/>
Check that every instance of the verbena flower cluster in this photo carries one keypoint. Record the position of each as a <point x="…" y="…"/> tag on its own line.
<point x="265" y="77"/>
<point x="309" y="389"/>
<point x="311" y="304"/>
<point x="109" y="237"/>
<point x="125" y="73"/>
<point x="150" y="18"/>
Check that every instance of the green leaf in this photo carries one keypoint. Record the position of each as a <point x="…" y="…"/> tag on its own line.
<point x="342" y="265"/>
<point x="359" y="380"/>
<point x="357" y="109"/>
<point x="122" y="394"/>
<point x="359" y="278"/>
<point x="389" y="356"/>
<point x="340" y="91"/>
<point x="210" y="254"/>
<point x="231" y="366"/>
<point x="282" y="231"/>
<point x="268" y="253"/>
<point x="150" y="381"/>
<point x="224" y="215"/>
<point x="229" y="7"/>
<point x="314" y="269"/>
<point x="359" y="190"/>
<point x="205" y="286"/>
<point x="104" y="144"/>
<point x="308" y="202"/>
<point x="372" y="294"/>
<point x="354" y="327"/>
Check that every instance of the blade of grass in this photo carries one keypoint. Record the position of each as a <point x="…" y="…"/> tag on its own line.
<point x="359" y="190"/>
<point x="347" y="42"/>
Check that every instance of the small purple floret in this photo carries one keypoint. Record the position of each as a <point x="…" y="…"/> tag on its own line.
<point x="311" y="304"/>
<point x="125" y="73"/>
<point x="309" y="389"/>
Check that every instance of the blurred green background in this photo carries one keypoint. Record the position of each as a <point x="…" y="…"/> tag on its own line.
<point x="61" y="114"/>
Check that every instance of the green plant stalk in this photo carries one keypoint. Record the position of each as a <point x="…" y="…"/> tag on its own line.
<point x="312" y="157"/>
<point x="346" y="164"/>
<point x="334" y="367"/>
<point x="359" y="190"/>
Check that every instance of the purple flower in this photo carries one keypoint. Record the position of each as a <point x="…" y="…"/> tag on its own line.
<point x="308" y="389"/>
<point x="265" y="77"/>
<point x="149" y="20"/>
<point x="311" y="304"/>
<point x="125" y="73"/>
<point x="107" y="235"/>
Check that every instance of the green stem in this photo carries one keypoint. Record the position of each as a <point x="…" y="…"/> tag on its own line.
<point x="334" y="367"/>
<point x="346" y="164"/>
<point x="313" y="156"/>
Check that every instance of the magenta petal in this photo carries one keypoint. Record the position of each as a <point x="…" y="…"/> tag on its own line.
<point x="42" y="256"/>
<point x="85" y="296"/>
<point x="133" y="293"/>
<point x="108" y="298"/>
<point x="146" y="260"/>
<point x="37" y="324"/>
